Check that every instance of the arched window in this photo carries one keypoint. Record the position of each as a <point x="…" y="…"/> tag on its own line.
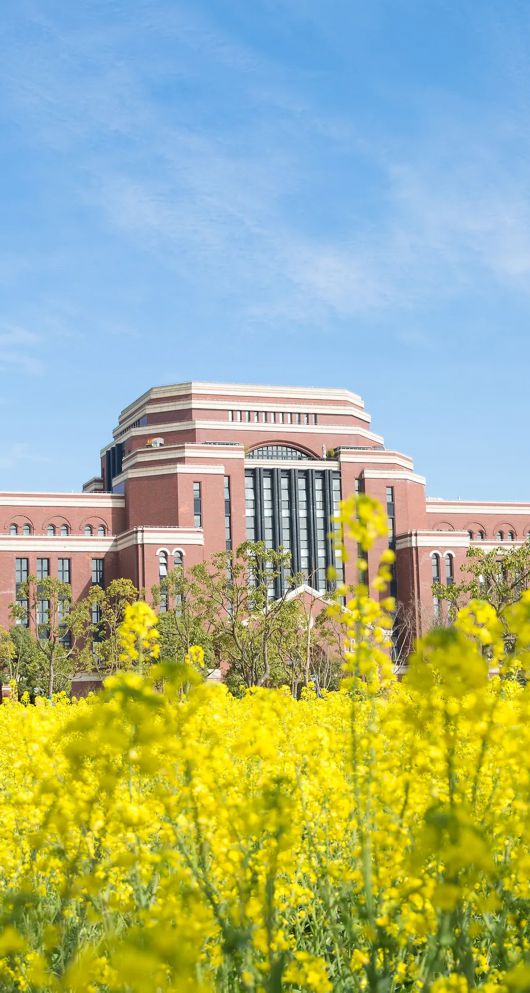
<point x="449" y="569"/>
<point x="88" y="530"/>
<point x="13" y="529"/>
<point x="101" y="531"/>
<point x="511" y="535"/>
<point x="436" y="578"/>
<point x="162" y="565"/>
<point x="26" y="529"/>
<point x="277" y="452"/>
<point x="435" y="561"/>
<point x="51" y="529"/>
<point x="178" y="559"/>
<point x="470" y="533"/>
<point x="481" y="535"/>
<point x="499" y="536"/>
<point x="64" y="530"/>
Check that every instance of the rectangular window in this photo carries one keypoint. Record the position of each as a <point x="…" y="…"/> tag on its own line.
<point x="303" y="523"/>
<point x="43" y="568"/>
<point x="285" y="517"/>
<point x="43" y="614"/>
<point x="228" y="515"/>
<point x="97" y="572"/>
<point x="21" y="576"/>
<point x="64" y="572"/>
<point x="65" y="636"/>
<point x="321" y="532"/>
<point x="391" y="513"/>
<point x="268" y="532"/>
<point x="21" y="571"/>
<point x="250" y="506"/>
<point x="197" y="505"/>
<point x="337" y="552"/>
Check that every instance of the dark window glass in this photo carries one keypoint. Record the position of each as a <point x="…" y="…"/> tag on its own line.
<point x="197" y="505"/>
<point x="277" y="452"/>
<point x="97" y="571"/>
<point x="21" y="570"/>
<point x="21" y="575"/>
<point x="449" y="570"/>
<point x="435" y="559"/>
<point x="43" y="615"/>
<point x="250" y="506"/>
<point x="228" y="514"/>
<point x="64" y="570"/>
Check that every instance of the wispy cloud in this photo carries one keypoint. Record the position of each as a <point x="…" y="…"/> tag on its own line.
<point x="214" y="200"/>
<point x="19" y="451"/>
<point x="17" y="351"/>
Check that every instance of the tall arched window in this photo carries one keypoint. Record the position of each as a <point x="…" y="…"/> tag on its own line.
<point x="449" y="569"/>
<point x="436" y="578"/>
<point x="435" y="561"/>
<point x="13" y="529"/>
<point x="162" y="565"/>
<point x="162" y="575"/>
<point x="178" y="559"/>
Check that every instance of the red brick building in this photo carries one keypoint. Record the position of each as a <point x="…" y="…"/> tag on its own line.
<point x="198" y="467"/>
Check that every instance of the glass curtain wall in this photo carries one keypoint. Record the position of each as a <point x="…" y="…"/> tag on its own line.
<point x="291" y="509"/>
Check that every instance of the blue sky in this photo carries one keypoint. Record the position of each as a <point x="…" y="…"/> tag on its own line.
<point x="284" y="191"/>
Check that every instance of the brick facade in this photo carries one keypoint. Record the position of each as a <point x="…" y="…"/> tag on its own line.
<point x="172" y="438"/>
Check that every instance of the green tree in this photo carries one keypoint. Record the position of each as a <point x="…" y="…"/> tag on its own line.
<point x="107" y="610"/>
<point x="249" y="627"/>
<point x="62" y="629"/>
<point x="498" y="576"/>
<point x="182" y="621"/>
